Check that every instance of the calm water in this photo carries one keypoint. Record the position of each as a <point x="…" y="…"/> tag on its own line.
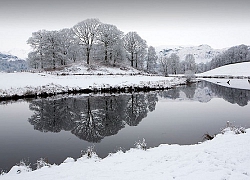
<point x="60" y="127"/>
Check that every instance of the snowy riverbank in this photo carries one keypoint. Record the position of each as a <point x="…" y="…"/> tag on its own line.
<point x="225" y="157"/>
<point x="25" y="84"/>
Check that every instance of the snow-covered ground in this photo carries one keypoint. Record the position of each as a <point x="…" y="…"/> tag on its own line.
<point x="239" y="69"/>
<point x="225" y="157"/>
<point x="37" y="83"/>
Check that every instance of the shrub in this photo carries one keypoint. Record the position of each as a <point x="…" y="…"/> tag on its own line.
<point x="233" y="128"/>
<point x="42" y="163"/>
<point x="89" y="152"/>
<point x="141" y="144"/>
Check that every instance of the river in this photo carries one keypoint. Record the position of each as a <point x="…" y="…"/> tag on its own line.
<point x="62" y="126"/>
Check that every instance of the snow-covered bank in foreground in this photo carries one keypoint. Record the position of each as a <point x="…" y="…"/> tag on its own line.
<point x="239" y="69"/>
<point x="36" y="83"/>
<point x="225" y="157"/>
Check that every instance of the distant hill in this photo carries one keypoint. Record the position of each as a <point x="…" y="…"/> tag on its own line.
<point x="203" y="53"/>
<point x="20" y="53"/>
<point x="10" y="63"/>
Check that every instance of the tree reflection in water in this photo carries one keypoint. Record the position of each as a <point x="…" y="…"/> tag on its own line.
<point x="92" y="118"/>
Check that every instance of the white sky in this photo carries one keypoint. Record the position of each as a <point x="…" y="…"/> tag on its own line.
<point x="217" y="23"/>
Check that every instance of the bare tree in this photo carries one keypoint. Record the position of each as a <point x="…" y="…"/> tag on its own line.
<point x="174" y="63"/>
<point x="190" y="63"/>
<point x="151" y="59"/>
<point x="135" y="46"/>
<point x="164" y="63"/>
<point x="86" y="31"/>
<point x="109" y="36"/>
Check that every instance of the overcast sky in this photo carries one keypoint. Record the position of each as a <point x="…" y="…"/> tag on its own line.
<point x="217" y="23"/>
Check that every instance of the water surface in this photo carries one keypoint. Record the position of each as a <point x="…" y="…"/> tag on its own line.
<point x="59" y="127"/>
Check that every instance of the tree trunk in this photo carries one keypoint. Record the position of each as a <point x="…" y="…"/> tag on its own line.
<point x="136" y="60"/>
<point x="88" y="55"/>
<point x="132" y="59"/>
<point x="106" y="54"/>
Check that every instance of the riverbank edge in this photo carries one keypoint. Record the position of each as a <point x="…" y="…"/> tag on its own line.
<point x="54" y="89"/>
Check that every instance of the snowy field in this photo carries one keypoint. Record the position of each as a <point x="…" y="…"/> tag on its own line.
<point x="239" y="69"/>
<point x="225" y="157"/>
<point x="37" y="83"/>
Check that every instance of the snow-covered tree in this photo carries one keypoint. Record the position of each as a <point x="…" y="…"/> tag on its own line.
<point x="174" y="63"/>
<point x="135" y="47"/>
<point x="47" y="48"/>
<point x="151" y="60"/>
<point x="87" y="31"/>
<point x="163" y="64"/>
<point x="233" y="55"/>
<point x="119" y="54"/>
<point x="109" y="36"/>
<point x="189" y="63"/>
<point x="37" y="42"/>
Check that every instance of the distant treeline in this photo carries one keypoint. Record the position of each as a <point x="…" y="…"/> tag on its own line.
<point x="235" y="54"/>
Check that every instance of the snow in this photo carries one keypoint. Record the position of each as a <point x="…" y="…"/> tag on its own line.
<point x="232" y="83"/>
<point x="238" y="69"/>
<point x="225" y="157"/>
<point x="202" y="53"/>
<point x="228" y="75"/>
<point x="36" y="83"/>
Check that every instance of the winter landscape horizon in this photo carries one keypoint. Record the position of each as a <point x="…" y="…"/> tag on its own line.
<point x="124" y="90"/>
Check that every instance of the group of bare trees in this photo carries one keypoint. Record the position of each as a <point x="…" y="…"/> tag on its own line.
<point x="235" y="54"/>
<point x="173" y="65"/>
<point x="90" y="41"/>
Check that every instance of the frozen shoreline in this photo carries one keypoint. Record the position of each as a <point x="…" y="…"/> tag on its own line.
<point x="21" y="85"/>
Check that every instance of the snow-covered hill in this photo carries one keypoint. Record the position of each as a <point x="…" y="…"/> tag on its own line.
<point x="20" y="53"/>
<point x="203" y="53"/>
<point x="10" y="63"/>
<point x="238" y="69"/>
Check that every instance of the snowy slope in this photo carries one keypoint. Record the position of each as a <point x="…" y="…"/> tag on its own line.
<point x="202" y="53"/>
<point x="239" y="69"/>
<point x="225" y="157"/>
<point x="8" y="57"/>
<point x="10" y="63"/>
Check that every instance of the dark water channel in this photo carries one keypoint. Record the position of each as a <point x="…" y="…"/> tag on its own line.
<point x="59" y="127"/>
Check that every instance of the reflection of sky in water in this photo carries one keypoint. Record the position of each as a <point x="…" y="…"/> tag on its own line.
<point x="173" y="122"/>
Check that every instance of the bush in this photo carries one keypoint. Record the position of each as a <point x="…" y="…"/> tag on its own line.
<point x="233" y="128"/>
<point x="89" y="152"/>
<point x="141" y="144"/>
<point x="42" y="163"/>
